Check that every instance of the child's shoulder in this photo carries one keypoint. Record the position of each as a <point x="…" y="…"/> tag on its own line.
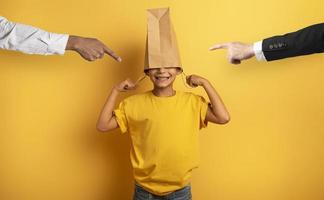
<point x="189" y="95"/>
<point x="191" y="98"/>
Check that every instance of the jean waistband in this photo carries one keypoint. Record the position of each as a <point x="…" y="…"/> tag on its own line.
<point x="185" y="189"/>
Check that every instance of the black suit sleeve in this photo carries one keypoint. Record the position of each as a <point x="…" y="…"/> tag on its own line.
<point x="302" y="42"/>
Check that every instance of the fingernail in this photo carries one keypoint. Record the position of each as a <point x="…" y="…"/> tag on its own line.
<point x="119" y="59"/>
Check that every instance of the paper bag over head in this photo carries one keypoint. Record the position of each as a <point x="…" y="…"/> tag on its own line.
<point x="161" y="42"/>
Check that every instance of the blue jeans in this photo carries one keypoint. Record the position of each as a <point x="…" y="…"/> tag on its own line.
<point x="182" y="194"/>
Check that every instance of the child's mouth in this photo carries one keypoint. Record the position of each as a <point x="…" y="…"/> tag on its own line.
<point x="162" y="78"/>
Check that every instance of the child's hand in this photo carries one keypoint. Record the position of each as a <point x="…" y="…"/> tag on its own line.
<point x="195" y="81"/>
<point x="125" y="86"/>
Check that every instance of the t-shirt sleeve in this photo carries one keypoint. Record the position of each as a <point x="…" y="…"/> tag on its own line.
<point x="203" y="107"/>
<point x="121" y="117"/>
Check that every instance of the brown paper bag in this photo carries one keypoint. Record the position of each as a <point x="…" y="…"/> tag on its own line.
<point x="161" y="42"/>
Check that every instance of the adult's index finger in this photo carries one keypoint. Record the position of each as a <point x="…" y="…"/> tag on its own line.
<point x="112" y="54"/>
<point x="219" y="46"/>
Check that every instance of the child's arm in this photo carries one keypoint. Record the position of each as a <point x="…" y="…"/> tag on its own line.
<point x="217" y="112"/>
<point x="107" y="120"/>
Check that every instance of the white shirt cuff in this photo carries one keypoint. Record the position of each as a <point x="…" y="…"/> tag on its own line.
<point x="257" y="48"/>
<point x="57" y="43"/>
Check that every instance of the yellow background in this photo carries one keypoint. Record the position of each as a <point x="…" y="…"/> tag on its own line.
<point x="272" y="149"/>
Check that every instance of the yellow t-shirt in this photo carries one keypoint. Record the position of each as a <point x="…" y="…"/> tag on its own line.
<point x="164" y="135"/>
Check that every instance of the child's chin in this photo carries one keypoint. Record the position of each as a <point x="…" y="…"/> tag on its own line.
<point x="162" y="85"/>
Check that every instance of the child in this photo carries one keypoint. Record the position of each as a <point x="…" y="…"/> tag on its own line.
<point x="163" y="125"/>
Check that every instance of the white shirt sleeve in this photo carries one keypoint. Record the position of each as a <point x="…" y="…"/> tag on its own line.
<point x="30" y="40"/>
<point x="257" y="48"/>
